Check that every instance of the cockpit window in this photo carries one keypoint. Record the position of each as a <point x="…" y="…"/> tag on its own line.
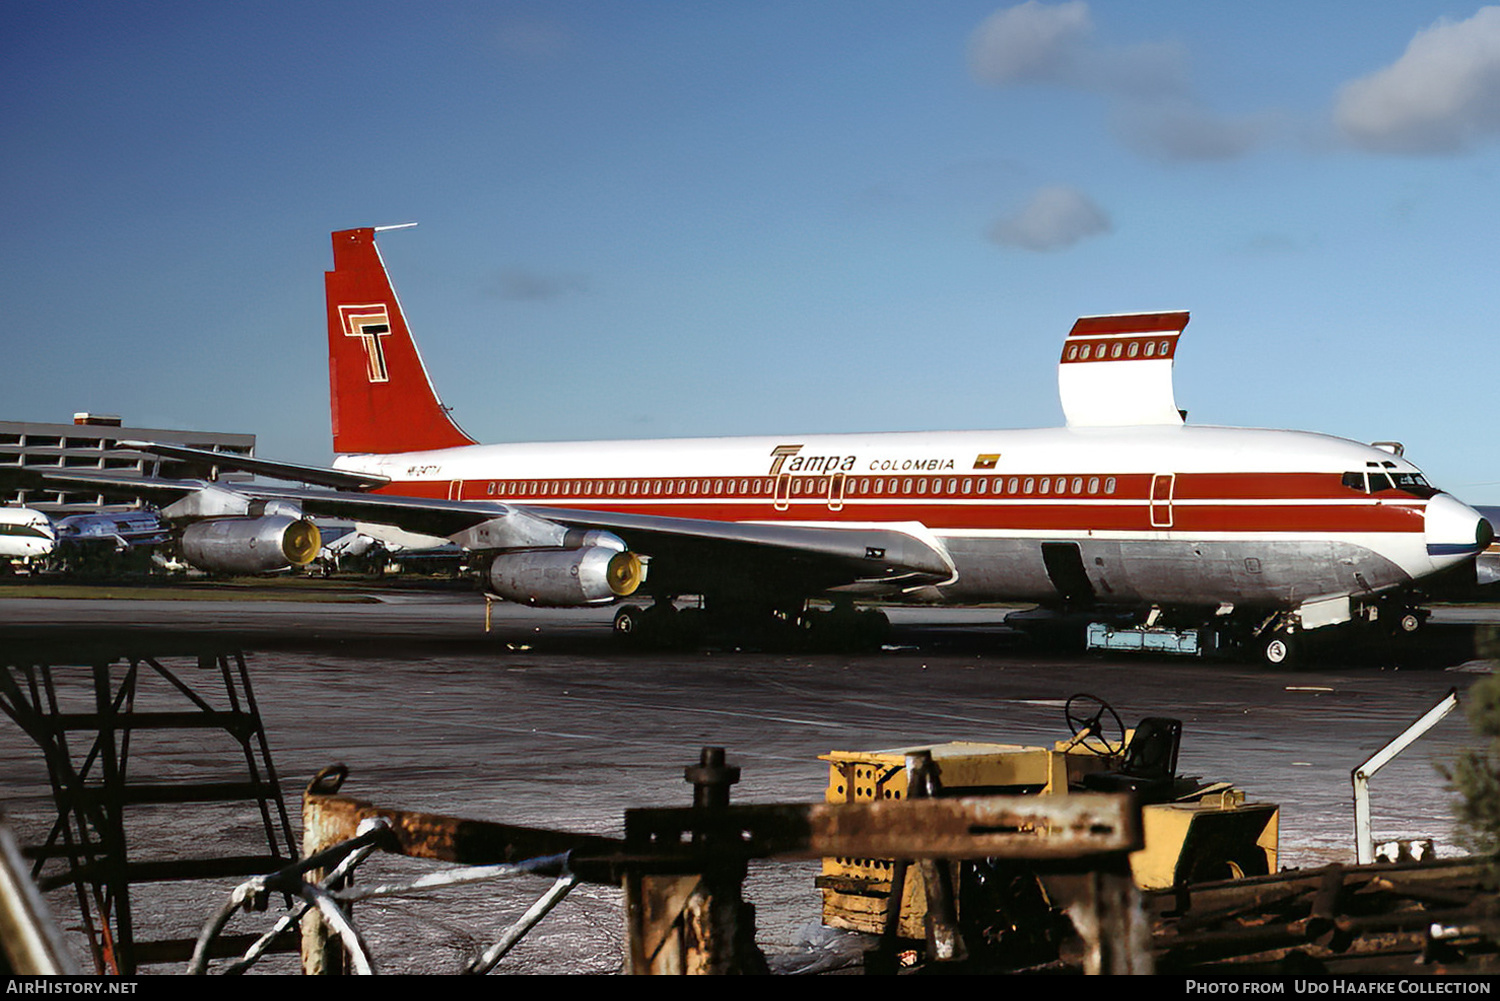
<point x="1413" y="483"/>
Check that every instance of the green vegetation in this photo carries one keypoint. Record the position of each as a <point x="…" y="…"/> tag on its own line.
<point x="223" y="590"/>
<point x="1475" y="775"/>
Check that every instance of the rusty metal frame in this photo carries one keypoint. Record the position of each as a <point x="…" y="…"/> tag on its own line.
<point x="682" y="868"/>
<point x="1021" y="827"/>
<point x="1407" y="918"/>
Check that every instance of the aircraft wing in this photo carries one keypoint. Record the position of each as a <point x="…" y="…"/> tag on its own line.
<point x="187" y="498"/>
<point x="685" y="553"/>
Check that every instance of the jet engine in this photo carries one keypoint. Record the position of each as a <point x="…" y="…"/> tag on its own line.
<point x="250" y="545"/>
<point x="564" y="578"/>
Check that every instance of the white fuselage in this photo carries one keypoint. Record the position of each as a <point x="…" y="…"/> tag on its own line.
<point x="1157" y="514"/>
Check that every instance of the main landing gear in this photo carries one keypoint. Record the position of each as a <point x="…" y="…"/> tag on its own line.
<point x="663" y="625"/>
<point x="660" y="626"/>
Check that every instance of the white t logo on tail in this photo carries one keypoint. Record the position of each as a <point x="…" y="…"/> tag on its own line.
<point x="369" y="323"/>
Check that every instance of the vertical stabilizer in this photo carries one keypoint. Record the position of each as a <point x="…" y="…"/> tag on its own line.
<point x="379" y="392"/>
<point x="1116" y="371"/>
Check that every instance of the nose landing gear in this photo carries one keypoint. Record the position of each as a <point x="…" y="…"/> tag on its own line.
<point x="1277" y="648"/>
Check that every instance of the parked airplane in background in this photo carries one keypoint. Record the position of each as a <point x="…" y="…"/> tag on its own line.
<point x="25" y="534"/>
<point x="109" y="542"/>
<point x="116" y="530"/>
<point x="77" y="540"/>
<point x="1240" y="536"/>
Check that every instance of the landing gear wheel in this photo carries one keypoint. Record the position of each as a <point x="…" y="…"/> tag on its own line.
<point x="1278" y="650"/>
<point x="1409" y="622"/>
<point x="630" y="623"/>
<point x="1084" y="724"/>
<point x="656" y="627"/>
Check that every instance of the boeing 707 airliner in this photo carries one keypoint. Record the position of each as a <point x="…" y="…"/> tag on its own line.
<point x="1252" y="537"/>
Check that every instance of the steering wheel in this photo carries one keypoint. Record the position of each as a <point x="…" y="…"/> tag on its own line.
<point x="1085" y="724"/>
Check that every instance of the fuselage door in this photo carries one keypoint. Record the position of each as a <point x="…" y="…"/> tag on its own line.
<point x="783" y="493"/>
<point x="836" y="492"/>
<point x="455" y="489"/>
<point x="1162" y="485"/>
<point x="1064" y="563"/>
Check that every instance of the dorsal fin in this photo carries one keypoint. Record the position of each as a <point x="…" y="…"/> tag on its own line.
<point x="1116" y="371"/>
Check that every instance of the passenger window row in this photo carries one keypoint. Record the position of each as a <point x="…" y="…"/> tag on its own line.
<point x="812" y="486"/>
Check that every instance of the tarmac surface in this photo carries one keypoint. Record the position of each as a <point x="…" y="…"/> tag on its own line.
<point x="545" y="721"/>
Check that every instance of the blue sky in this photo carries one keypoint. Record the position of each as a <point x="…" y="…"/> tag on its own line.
<point x="663" y="219"/>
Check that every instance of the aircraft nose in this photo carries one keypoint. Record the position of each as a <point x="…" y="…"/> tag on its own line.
<point x="1454" y="531"/>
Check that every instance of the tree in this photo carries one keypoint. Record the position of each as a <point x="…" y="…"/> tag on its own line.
<point x="1475" y="774"/>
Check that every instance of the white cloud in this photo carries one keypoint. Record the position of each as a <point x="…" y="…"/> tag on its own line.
<point x="1441" y="96"/>
<point x="1147" y="85"/>
<point x="1032" y="42"/>
<point x="1052" y="219"/>
<point x="1038" y="43"/>
<point x="1180" y="130"/>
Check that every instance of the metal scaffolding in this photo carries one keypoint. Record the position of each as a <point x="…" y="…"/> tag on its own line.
<point x="88" y="710"/>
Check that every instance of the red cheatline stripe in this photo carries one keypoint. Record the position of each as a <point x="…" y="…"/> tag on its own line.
<point x="1204" y="487"/>
<point x="1077" y="515"/>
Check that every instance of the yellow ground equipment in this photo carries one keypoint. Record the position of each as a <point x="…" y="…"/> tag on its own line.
<point x="1194" y="831"/>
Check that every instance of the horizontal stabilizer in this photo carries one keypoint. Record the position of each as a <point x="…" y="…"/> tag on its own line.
<point x="1116" y="371"/>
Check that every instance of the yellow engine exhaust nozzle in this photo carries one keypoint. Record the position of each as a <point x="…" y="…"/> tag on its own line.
<point x="301" y="542"/>
<point x="626" y="573"/>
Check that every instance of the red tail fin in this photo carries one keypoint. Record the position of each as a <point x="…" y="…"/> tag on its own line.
<point x="381" y="397"/>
